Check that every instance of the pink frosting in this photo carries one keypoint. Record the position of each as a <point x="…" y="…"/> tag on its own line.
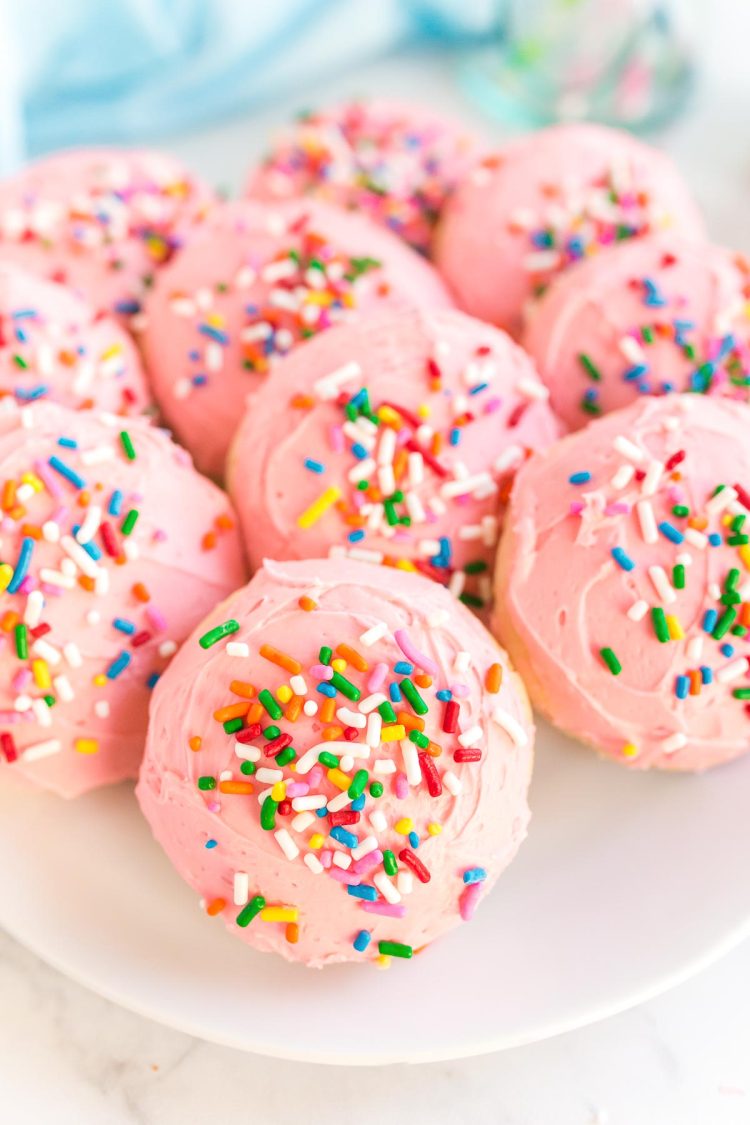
<point x="395" y="162"/>
<point x="100" y="220"/>
<point x="689" y="297"/>
<point x="247" y="288"/>
<point x="53" y="345"/>
<point x="586" y="573"/>
<point x="427" y="364"/>
<point x="88" y="633"/>
<point x="544" y="201"/>
<point x="477" y="809"/>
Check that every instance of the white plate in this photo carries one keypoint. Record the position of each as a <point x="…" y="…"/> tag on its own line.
<point x="627" y="884"/>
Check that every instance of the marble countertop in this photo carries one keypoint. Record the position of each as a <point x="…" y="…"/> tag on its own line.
<point x="67" y="1056"/>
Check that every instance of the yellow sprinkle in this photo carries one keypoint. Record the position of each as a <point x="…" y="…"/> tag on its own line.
<point x="33" y="480"/>
<point x="86" y="745"/>
<point x="744" y="553"/>
<point x="279" y="914"/>
<point x="390" y="417"/>
<point x="383" y="961"/>
<point x="319" y="507"/>
<point x="338" y="664"/>
<point x="114" y="349"/>
<point x="629" y="750"/>
<point x="41" y="674"/>
<point x="316" y="841"/>
<point x="6" y="573"/>
<point x="284" y="693"/>
<point x="393" y="733"/>
<point x="100" y="680"/>
<point x="216" y="320"/>
<point x="405" y="564"/>
<point x="404" y="826"/>
<point x="674" y="627"/>
<point x="278" y="792"/>
<point x="423" y="411"/>
<point x="338" y="778"/>
<point x="434" y="829"/>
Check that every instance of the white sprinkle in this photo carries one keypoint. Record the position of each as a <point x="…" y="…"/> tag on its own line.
<point x="628" y="449"/>
<point x="721" y="500"/>
<point x="694" y="649"/>
<point x="638" y="610"/>
<point x="662" y="585"/>
<point x="378" y="820"/>
<point x="101" y="709"/>
<point x="342" y="860"/>
<point x="466" y="486"/>
<point x="405" y="882"/>
<point x="328" y="386"/>
<point x="647" y="521"/>
<point x="90" y="524"/>
<point x="34" y="608"/>
<point x="167" y="649"/>
<point x="269" y="776"/>
<point x="374" y="729"/>
<point x="510" y="458"/>
<point x="456" y="583"/>
<point x="511" y="726"/>
<point x="42" y="750"/>
<point x="313" y="863"/>
<point x="733" y="670"/>
<point x="82" y="560"/>
<point x="310" y="708"/>
<point x="298" y="685"/>
<point x="541" y="261"/>
<point x="387" y="446"/>
<point x="98" y="455"/>
<point x="471" y="737"/>
<point x="696" y="538"/>
<point x="673" y="743"/>
<point x="303" y="821"/>
<point x="438" y="618"/>
<point x="411" y="763"/>
<point x="51" y="531"/>
<point x="532" y="389"/>
<point x="651" y="480"/>
<point x="346" y="763"/>
<point x="364" y="847"/>
<point x="416" y="468"/>
<point x="286" y="843"/>
<point x="57" y="578"/>
<point x="22" y="704"/>
<point x="340" y="801"/>
<point x="386" y="888"/>
<point x="237" y="648"/>
<point x="241" y="890"/>
<point x="452" y="783"/>
<point x="309" y="758"/>
<point x="462" y="663"/>
<point x="63" y="689"/>
<point x="351" y="718"/>
<point x="246" y="752"/>
<point x="623" y="477"/>
<point x="384" y="766"/>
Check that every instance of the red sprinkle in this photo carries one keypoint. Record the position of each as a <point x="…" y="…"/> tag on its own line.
<point x="407" y="856"/>
<point x="350" y="733"/>
<point x="109" y="539"/>
<point x="40" y="630"/>
<point x="249" y="734"/>
<point x="8" y="747"/>
<point x="346" y="816"/>
<point x="450" y="716"/>
<point x="140" y="639"/>
<point x="743" y="496"/>
<point x="276" y="745"/>
<point x="430" y="774"/>
<point x="285" y="807"/>
<point x="675" y="460"/>
<point x="468" y="755"/>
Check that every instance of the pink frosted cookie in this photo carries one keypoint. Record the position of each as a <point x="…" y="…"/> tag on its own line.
<point x="523" y="215"/>
<point x="111" y="548"/>
<point x="100" y="220"/>
<point x="395" y="162"/>
<point x="622" y="587"/>
<point x="393" y="440"/>
<point x="53" y="345"/>
<point x="247" y="288"/>
<point x="654" y="315"/>
<point x="338" y="761"/>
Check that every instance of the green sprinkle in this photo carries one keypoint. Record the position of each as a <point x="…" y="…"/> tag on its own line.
<point x="389" y="862"/>
<point x="376" y="789"/>
<point x="471" y="600"/>
<point x="659" y="621"/>
<point x="268" y="814"/>
<point x="386" y="712"/>
<point x="590" y="407"/>
<point x="724" y="624"/>
<point x="231" y="726"/>
<point x="214" y="635"/>
<point x="329" y="760"/>
<point x="49" y="700"/>
<point x="206" y="782"/>
<point x="127" y="445"/>
<point x="325" y="654"/>
<point x="589" y="367"/>
<point x="732" y="578"/>
<point x="22" y="642"/>
<point x="271" y="731"/>
<point x="270" y="704"/>
<point x="357" y="787"/>
<point x="478" y="567"/>
<point x="419" y="739"/>
<point x="253" y="908"/>
<point x="20" y="362"/>
<point x="394" y="949"/>
<point x="681" y="511"/>
<point x="390" y="513"/>
<point x="678" y="577"/>
<point x="346" y="687"/>
<point x="741" y="693"/>
<point x="248" y="768"/>
<point x="130" y="521"/>
<point x="287" y="755"/>
<point x="418" y="704"/>
<point x="647" y="334"/>
<point x="739" y="631"/>
<point x="611" y="661"/>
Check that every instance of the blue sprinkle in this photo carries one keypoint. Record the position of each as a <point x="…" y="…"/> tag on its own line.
<point x="314" y="466"/>
<point x="474" y="875"/>
<point x="358" y="803"/>
<point x="356" y="536"/>
<point x="363" y="891"/>
<point x="24" y="314"/>
<point x="395" y="693"/>
<point x="714" y="539"/>
<point x="210" y="844"/>
<point x="444" y="695"/>
<point x="669" y="531"/>
<point x="622" y="559"/>
<point x="710" y="618"/>
<point x="707" y="674"/>
<point x="127" y="308"/>
<point x="403" y="668"/>
<point x="359" y="451"/>
<point x="478" y="388"/>
<point x="362" y="940"/>
<point x="634" y="373"/>
<point x="342" y="836"/>
<point x="66" y="471"/>
<point x="213" y="333"/>
<point x="727" y="650"/>
<point x="67" y="443"/>
<point x="455" y="436"/>
<point x="194" y="355"/>
<point x="115" y="503"/>
<point x="653" y="297"/>
<point x="580" y="478"/>
<point x="124" y="626"/>
<point x="152" y="681"/>
<point x="413" y="840"/>
<point x="327" y="689"/>
<point x="22" y="565"/>
<point x="681" y="687"/>
<point x="91" y="549"/>
<point x="199" y="380"/>
<point x="321" y="812"/>
<point x="542" y="238"/>
<point x="31" y="394"/>
<point x="117" y="666"/>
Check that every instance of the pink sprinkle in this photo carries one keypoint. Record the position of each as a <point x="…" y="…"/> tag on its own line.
<point x="156" y="618"/>
<point x="377" y="677"/>
<point x="342" y="876"/>
<point x="213" y="806"/>
<point x="27" y="585"/>
<point x="386" y="908"/>
<point x="412" y="653"/>
<point x="460" y="690"/>
<point x="297" y="789"/>
<point x="321" y="672"/>
<point x="326" y="857"/>
<point x="11" y="717"/>
<point x="367" y="862"/>
<point x="469" y="901"/>
<point x="50" y="482"/>
<point x="401" y="786"/>
<point x="617" y="508"/>
<point x="492" y="404"/>
<point x="21" y="678"/>
<point x="576" y="507"/>
<point x="336" y="438"/>
<point x="315" y="776"/>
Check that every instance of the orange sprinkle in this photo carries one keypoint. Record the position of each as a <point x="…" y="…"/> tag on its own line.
<point x="745" y="615"/>
<point x="423" y="680"/>
<point x="434" y="750"/>
<point x="140" y="593"/>
<point x="86" y="583"/>
<point x="224" y="522"/>
<point x="292" y="932"/>
<point x="411" y="722"/>
<point x="307" y="604"/>
<point x="327" y="710"/>
<point x="216" y="906"/>
<point x="240" y="687"/>
<point x="696" y="680"/>
<point x="84" y="499"/>
<point x="255" y="713"/>
<point x="195" y="742"/>
<point x="9" y="495"/>
<point x="9" y="621"/>
<point x="294" y="708"/>
<point x="302" y="402"/>
<point x="330" y="734"/>
<point x="288" y="663"/>
<point x="700" y="523"/>
<point x="232" y="711"/>
<point x="352" y="657"/>
<point x="494" y="678"/>
<point x="32" y="530"/>
<point x="236" y="787"/>
<point x="209" y="540"/>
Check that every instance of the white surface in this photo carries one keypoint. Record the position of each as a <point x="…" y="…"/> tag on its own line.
<point x="597" y="912"/>
<point x="67" y="1056"/>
